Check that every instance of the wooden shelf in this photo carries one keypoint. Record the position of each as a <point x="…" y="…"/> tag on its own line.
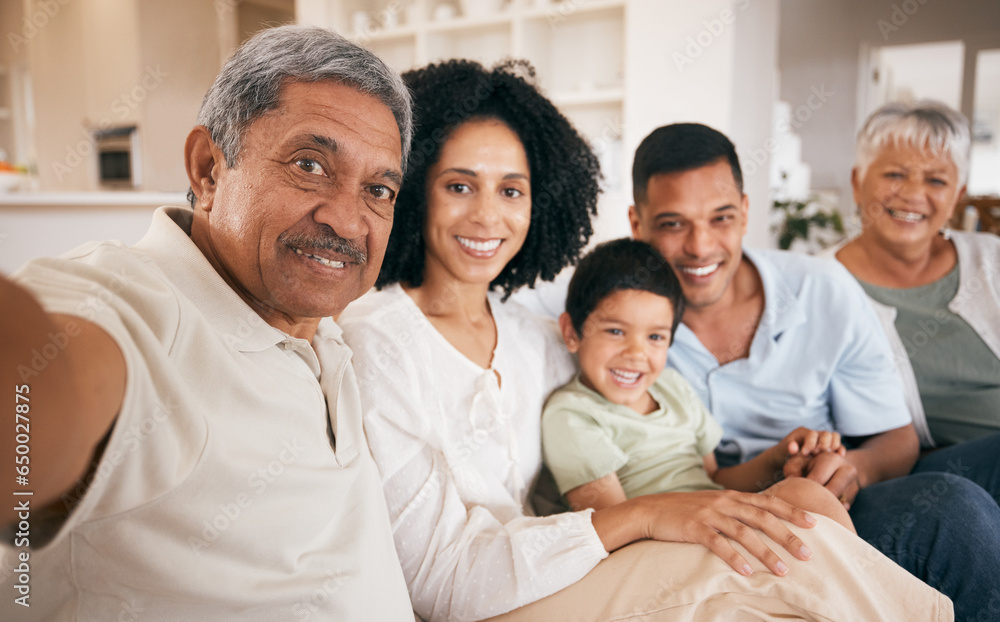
<point x="570" y="8"/>
<point x="459" y="23"/>
<point x="377" y="33"/>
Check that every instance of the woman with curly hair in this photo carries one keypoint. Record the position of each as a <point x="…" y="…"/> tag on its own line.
<point x="499" y="193"/>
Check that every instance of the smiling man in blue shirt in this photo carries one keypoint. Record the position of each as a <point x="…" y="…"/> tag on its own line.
<point x="773" y="340"/>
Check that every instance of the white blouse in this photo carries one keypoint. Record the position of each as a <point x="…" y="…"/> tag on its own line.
<point x="459" y="450"/>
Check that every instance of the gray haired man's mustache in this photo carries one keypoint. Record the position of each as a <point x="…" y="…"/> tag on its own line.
<point x="333" y="243"/>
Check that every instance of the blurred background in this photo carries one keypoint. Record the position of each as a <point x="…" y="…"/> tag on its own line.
<point x="97" y="96"/>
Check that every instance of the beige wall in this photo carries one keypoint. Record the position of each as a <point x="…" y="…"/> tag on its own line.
<point x="57" y="56"/>
<point x="106" y="63"/>
<point x="179" y="58"/>
<point x="10" y="22"/>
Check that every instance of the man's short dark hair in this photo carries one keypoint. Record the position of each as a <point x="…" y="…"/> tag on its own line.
<point x="677" y="148"/>
<point x="618" y="265"/>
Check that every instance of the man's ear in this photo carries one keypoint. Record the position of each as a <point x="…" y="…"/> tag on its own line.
<point x="745" y="211"/>
<point x="569" y="333"/>
<point x="203" y="161"/>
<point x="633" y="220"/>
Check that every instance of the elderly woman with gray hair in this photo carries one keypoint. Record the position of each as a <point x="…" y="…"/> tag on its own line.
<point x="937" y="291"/>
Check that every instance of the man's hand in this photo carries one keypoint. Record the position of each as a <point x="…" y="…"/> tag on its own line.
<point x="877" y="458"/>
<point x="712" y="519"/>
<point x="806" y="442"/>
<point x="830" y="469"/>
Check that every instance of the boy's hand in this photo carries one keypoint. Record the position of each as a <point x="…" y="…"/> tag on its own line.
<point x="806" y="442"/>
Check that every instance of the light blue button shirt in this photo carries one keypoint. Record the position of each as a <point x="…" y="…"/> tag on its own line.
<point x="818" y="359"/>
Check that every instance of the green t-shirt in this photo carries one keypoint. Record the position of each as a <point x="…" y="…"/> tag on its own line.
<point x="585" y="437"/>
<point x="957" y="374"/>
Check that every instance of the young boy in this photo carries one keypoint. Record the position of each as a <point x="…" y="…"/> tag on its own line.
<point x="626" y="427"/>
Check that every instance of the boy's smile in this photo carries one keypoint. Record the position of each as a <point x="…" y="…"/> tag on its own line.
<point x="624" y="346"/>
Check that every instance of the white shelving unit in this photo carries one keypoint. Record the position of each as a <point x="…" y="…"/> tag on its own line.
<point x="578" y="50"/>
<point x="612" y="66"/>
<point x="576" y="46"/>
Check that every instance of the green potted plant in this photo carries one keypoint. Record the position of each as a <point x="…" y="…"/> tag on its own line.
<point x="809" y="220"/>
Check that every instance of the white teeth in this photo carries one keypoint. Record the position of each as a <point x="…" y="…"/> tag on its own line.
<point x="702" y="271"/>
<point x="322" y="260"/>
<point x="906" y="216"/>
<point x="483" y="247"/>
<point x="626" y="377"/>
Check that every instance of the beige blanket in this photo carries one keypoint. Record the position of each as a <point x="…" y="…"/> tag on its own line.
<point x="846" y="580"/>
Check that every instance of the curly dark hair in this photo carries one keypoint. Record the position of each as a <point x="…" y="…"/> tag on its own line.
<point x="565" y="174"/>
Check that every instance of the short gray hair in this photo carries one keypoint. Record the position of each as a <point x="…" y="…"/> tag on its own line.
<point x="250" y="82"/>
<point x="921" y="124"/>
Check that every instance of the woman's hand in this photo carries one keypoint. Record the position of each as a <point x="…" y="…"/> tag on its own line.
<point x="712" y="519"/>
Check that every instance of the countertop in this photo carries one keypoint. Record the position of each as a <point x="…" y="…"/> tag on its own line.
<point x="107" y="198"/>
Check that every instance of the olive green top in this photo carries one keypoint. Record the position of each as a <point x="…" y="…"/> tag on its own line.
<point x="958" y="375"/>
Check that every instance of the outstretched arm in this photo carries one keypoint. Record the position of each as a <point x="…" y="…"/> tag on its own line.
<point x="877" y="458"/>
<point x="765" y="468"/>
<point x="67" y="379"/>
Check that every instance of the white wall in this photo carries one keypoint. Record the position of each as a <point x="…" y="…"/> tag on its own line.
<point x="821" y="45"/>
<point x="984" y="174"/>
<point x="711" y="62"/>
<point x="923" y="71"/>
<point x="754" y="92"/>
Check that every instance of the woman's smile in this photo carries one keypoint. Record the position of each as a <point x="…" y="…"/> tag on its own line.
<point x="478" y="203"/>
<point x="480" y="248"/>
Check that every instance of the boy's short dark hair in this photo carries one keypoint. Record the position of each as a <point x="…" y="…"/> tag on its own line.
<point x="617" y="265"/>
<point x="678" y="148"/>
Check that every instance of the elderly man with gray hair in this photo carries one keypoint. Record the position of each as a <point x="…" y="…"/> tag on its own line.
<point x="192" y="437"/>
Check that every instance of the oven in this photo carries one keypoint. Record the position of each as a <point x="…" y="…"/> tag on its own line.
<point x="117" y="161"/>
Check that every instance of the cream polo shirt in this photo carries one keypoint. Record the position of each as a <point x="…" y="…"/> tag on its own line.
<point x="221" y="494"/>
